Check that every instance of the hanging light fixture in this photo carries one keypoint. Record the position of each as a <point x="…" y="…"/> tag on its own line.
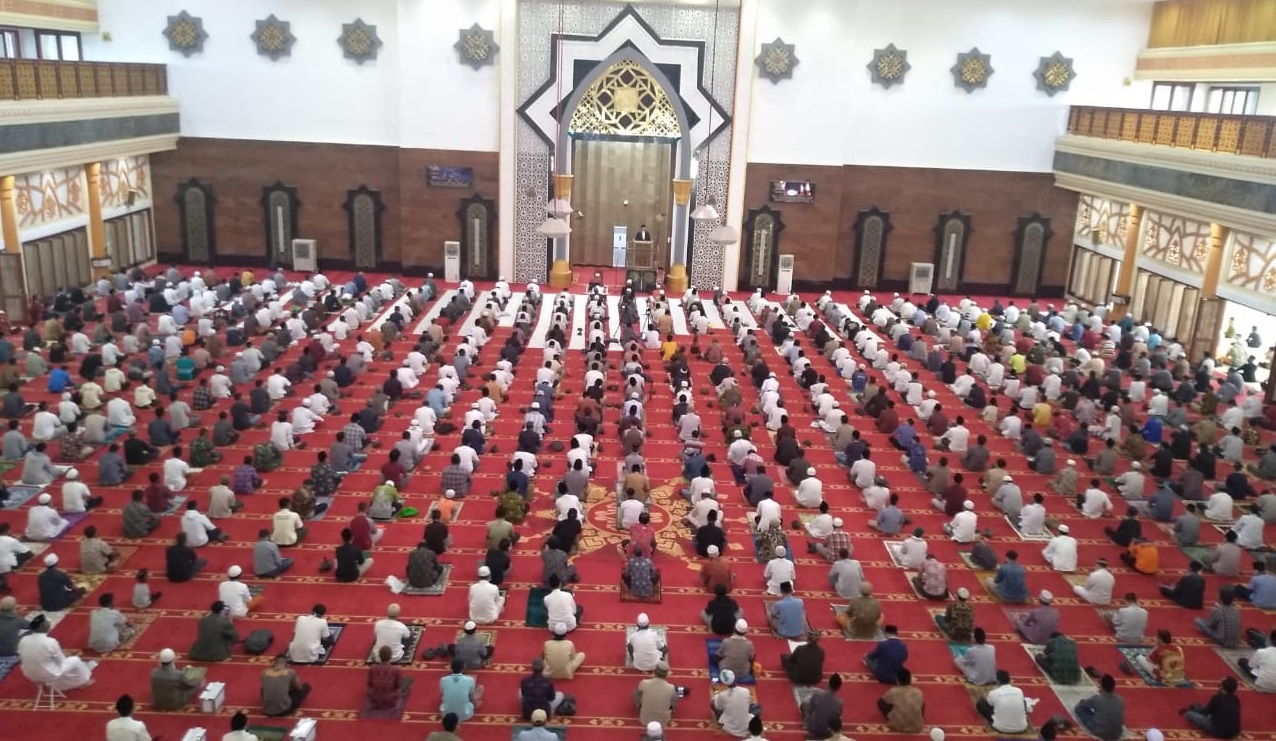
<point x="706" y="211"/>
<point x="554" y="228"/>
<point x="724" y="235"/>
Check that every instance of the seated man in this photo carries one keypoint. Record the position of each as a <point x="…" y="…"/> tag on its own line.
<point x="1059" y="660"/>
<point x="172" y="688"/>
<point x="1165" y="662"/>
<point x="887" y="657"/>
<point x="787" y="616"/>
<point x="805" y="666"/>
<point x="641" y="576"/>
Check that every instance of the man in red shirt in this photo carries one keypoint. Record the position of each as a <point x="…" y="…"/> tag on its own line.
<point x="365" y="531"/>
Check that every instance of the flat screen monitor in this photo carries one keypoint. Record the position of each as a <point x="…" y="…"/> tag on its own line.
<point x="792" y="191"/>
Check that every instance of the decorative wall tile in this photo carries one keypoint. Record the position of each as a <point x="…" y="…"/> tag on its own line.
<point x="124" y="177"/>
<point x="972" y="70"/>
<point x="1175" y="241"/>
<point x="1252" y="265"/>
<point x="273" y="38"/>
<point x="43" y="198"/>
<point x="889" y="66"/>
<point x="777" y="60"/>
<point x="185" y="33"/>
<point x="476" y="46"/>
<point x="359" y="41"/>
<point x="1054" y="74"/>
<point x="1101" y="221"/>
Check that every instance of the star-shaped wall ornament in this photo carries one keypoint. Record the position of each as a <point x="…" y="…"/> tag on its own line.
<point x="1054" y="74"/>
<point x="972" y="70"/>
<point x="359" y="41"/>
<point x="777" y="60"/>
<point x="889" y="66"/>
<point x="476" y="46"/>
<point x="273" y="38"/>
<point x="185" y="33"/>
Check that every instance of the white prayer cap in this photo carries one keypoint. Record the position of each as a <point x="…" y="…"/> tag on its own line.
<point x="155" y="342"/>
<point x="51" y="559"/>
<point x="1136" y="465"/>
<point x="968" y="504"/>
<point x="221" y="369"/>
<point x="429" y="275"/>
<point x="470" y="625"/>
<point x="449" y="494"/>
<point x="560" y="629"/>
<point x="737" y="434"/>
<point x="44" y="499"/>
<point x="741" y="626"/>
<point x="1045" y="596"/>
<point x="536" y="405"/>
<point x="239" y="355"/>
<point x="643" y="620"/>
<point x="712" y="551"/>
<point x="1155" y="734"/>
<point x="727" y="677"/>
<point x="963" y="593"/>
<point x="332" y="374"/>
<point x="73" y="474"/>
<point x="930" y="394"/>
<point x="167" y="656"/>
<point x="936" y="734"/>
<point x="484" y="572"/>
<point x="305" y="402"/>
<point x="234" y="572"/>
<point x="66" y="396"/>
<point x="405" y="363"/>
<point x="810" y="472"/>
<point x="1007" y="478"/>
<point x="1071" y="462"/>
<point x="779" y="551"/>
<point x="655" y="731"/>
<point x="1063" y="529"/>
<point x="837" y="522"/>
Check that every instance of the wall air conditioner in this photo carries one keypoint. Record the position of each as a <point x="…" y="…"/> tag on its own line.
<point x="452" y="262"/>
<point x="921" y="276"/>
<point x="784" y="277"/>
<point x="305" y="256"/>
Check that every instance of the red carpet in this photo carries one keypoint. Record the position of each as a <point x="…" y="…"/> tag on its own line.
<point x="602" y="686"/>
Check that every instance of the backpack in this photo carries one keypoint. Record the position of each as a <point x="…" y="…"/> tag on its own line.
<point x="258" y="642"/>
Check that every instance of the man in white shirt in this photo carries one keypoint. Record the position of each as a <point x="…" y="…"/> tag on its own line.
<point x="1005" y="706"/>
<point x="390" y="632"/>
<point x="486" y="602"/>
<point x="1061" y="551"/>
<point x="43" y="521"/>
<point x="560" y="606"/>
<point x="126" y="727"/>
<point x="778" y="571"/>
<point x="767" y="513"/>
<point x="75" y="495"/>
<point x="1032" y="518"/>
<point x="957" y="439"/>
<point x="646" y="647"/>
<point x="810" y="492"/>
<point x="288" y="527"/>
<point x="1097" y="589"/>
<point x="198" y="528"/>
<point x="1095" y="502"/>
<point x="304" y="420"/>
<point x="219" y="383"/>
<point x="235" y="596"/>
<point x="1263" y="666"/>
<point x="864" y="471"/>
<point x="277" y="385"/>
<point x="964" y="527"/>
<point x="281" y="432"/>
<point x="46" y="425"/>
<point x="1219" y="507"/>
<point x="175" y="470"/>
<point x="311" y="637"/>
<point x="739" y="449"/>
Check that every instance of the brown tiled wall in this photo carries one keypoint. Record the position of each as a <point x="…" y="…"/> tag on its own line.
<point x="821" y="234"/>
<point x="415" y="223"/>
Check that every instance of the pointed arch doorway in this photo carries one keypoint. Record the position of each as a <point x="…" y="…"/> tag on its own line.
<point x="624" y="142"/>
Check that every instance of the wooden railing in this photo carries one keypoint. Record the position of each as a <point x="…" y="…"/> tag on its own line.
<point x="40" y="79"/>
<point x="1252" y="136"/>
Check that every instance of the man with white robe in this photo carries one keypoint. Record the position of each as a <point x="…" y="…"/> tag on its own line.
<point x="43" y="662"/>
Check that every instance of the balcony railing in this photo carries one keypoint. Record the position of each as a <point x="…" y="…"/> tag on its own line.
<point x="1252" y="136"/>
<point x="40" y="79"/>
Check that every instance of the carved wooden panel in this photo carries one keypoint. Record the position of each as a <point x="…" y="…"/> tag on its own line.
<point x="363" y="212"/>
<point x="872" y="227"/>
<point x="279" y="205"/>
<point x="478" y="238"/>
<point x="195" y="201"/>
<point x="952" y="236"/>
<point x="761" y="259"/>
<point x="1031" y="236"/>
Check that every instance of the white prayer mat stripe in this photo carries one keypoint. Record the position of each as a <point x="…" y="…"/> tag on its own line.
<point x="480" y="303"/>
<point x="679" y="317"/>
<point x="613" y="316"/>
<point x="711" y="313"/>
<point x="511" y="309"/>
<point x="443" y="300"/>
<point x="580" y="320"/>
<point x="543" y="321"/>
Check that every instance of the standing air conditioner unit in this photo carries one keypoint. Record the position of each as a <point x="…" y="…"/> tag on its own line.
<point x="452" y="262"/>
<point x="305" y="256"/>
<point x="921" y="276"/>
<point x="784" y="279"/>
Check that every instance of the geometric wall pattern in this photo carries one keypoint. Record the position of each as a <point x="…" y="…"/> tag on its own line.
<point x="1101" y="221"/>
<point x="124" y="177"/>
<point x="1253" y="263"/>
<point x="43" y="198"/>
<point x="1175" y="241"/>
<point x="539" y="21"/>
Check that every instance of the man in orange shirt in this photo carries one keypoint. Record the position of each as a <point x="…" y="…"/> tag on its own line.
<point x="1142" y="556"/>
<point x="715" y="571"/>
<point x="446" y="505"/>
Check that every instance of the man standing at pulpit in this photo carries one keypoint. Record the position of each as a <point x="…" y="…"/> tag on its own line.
<point x="643" y="235"/>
